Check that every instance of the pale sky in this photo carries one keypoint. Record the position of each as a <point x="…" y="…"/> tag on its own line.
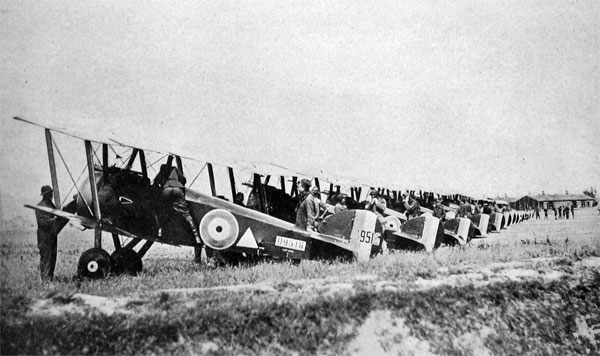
<point x="474" y="97"/>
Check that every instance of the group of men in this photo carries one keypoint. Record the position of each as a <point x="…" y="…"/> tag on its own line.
<point x="559" y="213"/>
<point x="310" y="205"/>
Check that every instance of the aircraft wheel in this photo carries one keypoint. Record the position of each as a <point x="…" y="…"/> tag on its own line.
<point x="126" y="260"/>
<point x="94" y="263"/>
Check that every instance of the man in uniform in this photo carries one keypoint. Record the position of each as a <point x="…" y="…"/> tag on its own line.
<point x="307" y="209"/>
<point x="46" y="236"/>
<point x="173" y="193"/>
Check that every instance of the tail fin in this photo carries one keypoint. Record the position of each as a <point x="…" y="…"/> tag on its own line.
<point x="355" y="231"/>
<point x="363" y="235"/>
<point x="422" y="230"/>
<point x="463" y="229"/>
<point x="483" y="224"/>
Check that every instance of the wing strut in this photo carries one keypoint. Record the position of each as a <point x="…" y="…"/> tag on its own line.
<point x="131" y="159"/>
<point x="294" y="188"/>
<point x="104" y="157"/>
<point x="143" y="164"/>
<point x="232" y="182"/>
<point x="211" y="178"/>
<point x="52" y="167"/>
<point x="95" y="202"/>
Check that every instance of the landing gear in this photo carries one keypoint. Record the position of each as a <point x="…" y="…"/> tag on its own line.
<point x="126" y="260"/>
<point x="94" y="263"/>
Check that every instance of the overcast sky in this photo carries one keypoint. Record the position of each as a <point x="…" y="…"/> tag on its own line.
<point x="480" y="97"/>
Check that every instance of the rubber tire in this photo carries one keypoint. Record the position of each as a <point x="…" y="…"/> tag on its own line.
<point x="126" y="260"/>
<point x="94" y="263"/>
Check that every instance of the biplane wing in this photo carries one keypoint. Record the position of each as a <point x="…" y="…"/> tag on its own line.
<point x="123" y="202"/>
<point x="87" y="223"/>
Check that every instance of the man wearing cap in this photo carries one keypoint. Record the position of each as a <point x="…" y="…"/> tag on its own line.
<point x="46" y="235"/>
<point x="307" y="208"/>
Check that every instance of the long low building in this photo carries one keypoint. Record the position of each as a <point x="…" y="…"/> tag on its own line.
<point x="552" y="200"/>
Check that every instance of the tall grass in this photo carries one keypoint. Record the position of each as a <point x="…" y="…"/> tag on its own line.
<point x="530" y="318"/>
<point x="167" y="267"/>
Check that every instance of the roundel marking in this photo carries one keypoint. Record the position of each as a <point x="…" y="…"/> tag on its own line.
<point x="392" y="223"/>
<point x="219" y="229"/>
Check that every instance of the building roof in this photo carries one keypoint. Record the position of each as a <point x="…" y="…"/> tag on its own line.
<point x="559" y="197"/>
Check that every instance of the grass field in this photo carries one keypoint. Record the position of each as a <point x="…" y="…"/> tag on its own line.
<point x="530" y="289"/>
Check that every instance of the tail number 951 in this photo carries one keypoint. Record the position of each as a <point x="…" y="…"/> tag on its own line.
<point x="367" y="236"/>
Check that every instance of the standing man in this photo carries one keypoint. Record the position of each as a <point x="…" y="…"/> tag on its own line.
<point x="46" y="236"/>
<point x="307" y="209"/>
<point x="572" y="212"/>
<point x="545" y="212"/>
<point x="560" y="212"/>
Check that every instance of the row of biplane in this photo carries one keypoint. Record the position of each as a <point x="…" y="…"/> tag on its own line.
<point x="128" y="204"/>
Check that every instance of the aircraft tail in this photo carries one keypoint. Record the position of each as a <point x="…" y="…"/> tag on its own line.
<point x="484" y="221"/>
<point x="364" y="235"/>
<point x="496" y="221"/>
<point x="422" y="231"/>
<point x="358" y="231"/>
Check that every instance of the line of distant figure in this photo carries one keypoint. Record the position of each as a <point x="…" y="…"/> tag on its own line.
<point x="566" y="212"/>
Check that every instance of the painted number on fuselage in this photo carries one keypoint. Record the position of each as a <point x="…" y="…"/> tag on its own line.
<point x="293" y="244"/>
<point x="367" y="236"/>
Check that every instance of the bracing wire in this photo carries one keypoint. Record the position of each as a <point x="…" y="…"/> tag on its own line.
<point x="71" y="176"/>
<point x="197" y="175"/>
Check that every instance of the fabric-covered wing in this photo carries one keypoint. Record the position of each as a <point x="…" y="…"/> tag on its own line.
<point x="86" y="222"/>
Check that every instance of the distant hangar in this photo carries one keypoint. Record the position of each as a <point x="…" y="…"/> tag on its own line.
<point x="552" y="200"/>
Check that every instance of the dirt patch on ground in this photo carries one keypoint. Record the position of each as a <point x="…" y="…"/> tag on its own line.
<point x="384" y="334"/>
<point x="545" y="270"/>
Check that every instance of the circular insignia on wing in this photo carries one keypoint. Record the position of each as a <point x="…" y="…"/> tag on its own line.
<point x="219" y="229"/>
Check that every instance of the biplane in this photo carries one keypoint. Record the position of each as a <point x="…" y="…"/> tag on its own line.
<point x="129" y="204"/>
